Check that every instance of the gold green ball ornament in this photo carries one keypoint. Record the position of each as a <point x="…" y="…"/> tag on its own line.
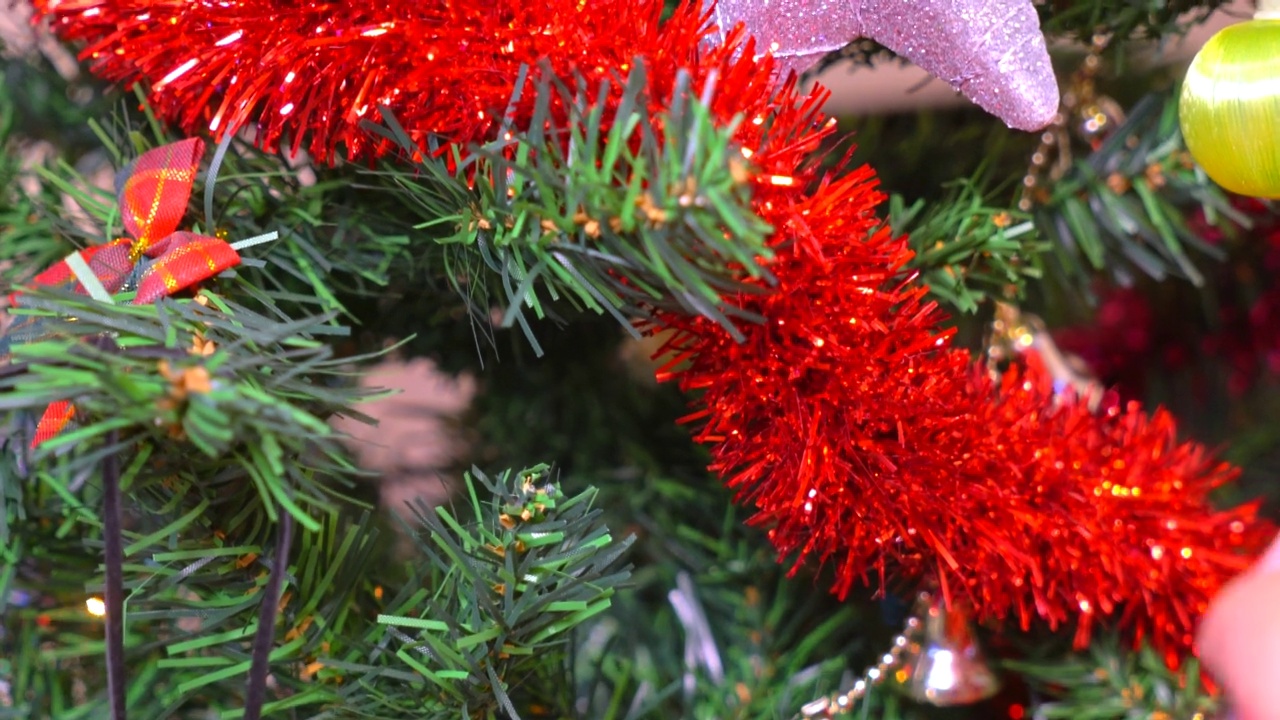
<point x="1230" y="106"/>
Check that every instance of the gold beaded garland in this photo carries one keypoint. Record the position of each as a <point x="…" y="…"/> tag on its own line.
<point x="1230" y="108"/>
<point x="935" y="660"/>
<point x="1092" y="115"/>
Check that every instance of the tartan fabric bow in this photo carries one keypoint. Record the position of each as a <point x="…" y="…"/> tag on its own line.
<point x="158" y="260"/>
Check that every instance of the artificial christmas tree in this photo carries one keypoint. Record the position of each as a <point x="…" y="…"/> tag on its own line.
<point x="519" y="193"/>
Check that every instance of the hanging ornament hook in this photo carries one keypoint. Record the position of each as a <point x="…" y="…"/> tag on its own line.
<point x="1019" y="336"/>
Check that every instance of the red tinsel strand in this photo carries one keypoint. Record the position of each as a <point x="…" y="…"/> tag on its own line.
<point x="318" y="68"/>
<point x="864" y="440"/>
<point x="861" y="437"/>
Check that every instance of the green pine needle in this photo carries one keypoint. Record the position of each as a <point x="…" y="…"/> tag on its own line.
<point x="515" y="568"/>
<point x="616" y="212"/>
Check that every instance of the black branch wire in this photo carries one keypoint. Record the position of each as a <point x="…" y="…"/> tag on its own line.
<point x="113" y="592"/>
<point x="264" y="638"/>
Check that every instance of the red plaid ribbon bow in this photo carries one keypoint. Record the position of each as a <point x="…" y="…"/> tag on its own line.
<point x="153" y="198"/>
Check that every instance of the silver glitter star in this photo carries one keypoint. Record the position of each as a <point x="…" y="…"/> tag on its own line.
<point x="992" y="51"/>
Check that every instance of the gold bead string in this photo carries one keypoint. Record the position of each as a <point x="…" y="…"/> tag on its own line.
<point x="1054" y="136"/>
<point x="1010" y="334"/>
<point x="1094" y="116"/>
<point x="835" y="705"/>
<point x="1013" y="332"/>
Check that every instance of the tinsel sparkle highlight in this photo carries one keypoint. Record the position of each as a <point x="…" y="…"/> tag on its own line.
<point x="861" y="437"/>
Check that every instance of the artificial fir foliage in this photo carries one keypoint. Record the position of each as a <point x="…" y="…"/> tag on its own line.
<point x="563" y="210"/>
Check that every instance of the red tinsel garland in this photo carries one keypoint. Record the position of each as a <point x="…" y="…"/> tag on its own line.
<point x="860" y="435"/>
<point x="318" y="68"/>
<point x="866" y="441"/>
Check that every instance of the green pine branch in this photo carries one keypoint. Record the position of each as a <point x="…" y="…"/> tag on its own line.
<point x="1124" y="20"/>
<point x="334" y="247"/>
<point x="511" y="576"/>
<point x="193" y="576"/>
<point x="220" y="414"/>
<point x="1112" y="682"/>
<point x="508" y="573"/>
<point x="1124" y="208"/>
<point x="41" y="100"/>
<point x="781" y="641"/>
<point x="243" y="389"/>
<point x="1077" y="20"/>
<point x="614" y="211"/>
<point x="110" y="359"/>
<point x="967" y="247"/>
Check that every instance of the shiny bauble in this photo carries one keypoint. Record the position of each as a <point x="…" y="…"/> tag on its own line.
<point x="944" y="666"/>
<point x="1230" y="108"/>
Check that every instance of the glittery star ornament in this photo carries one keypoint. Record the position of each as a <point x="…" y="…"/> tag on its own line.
<point x="990" y="50"/>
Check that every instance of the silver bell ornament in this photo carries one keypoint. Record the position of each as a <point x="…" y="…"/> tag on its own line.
<point x="943" y="664"/>
<point x="935" y="660"/>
